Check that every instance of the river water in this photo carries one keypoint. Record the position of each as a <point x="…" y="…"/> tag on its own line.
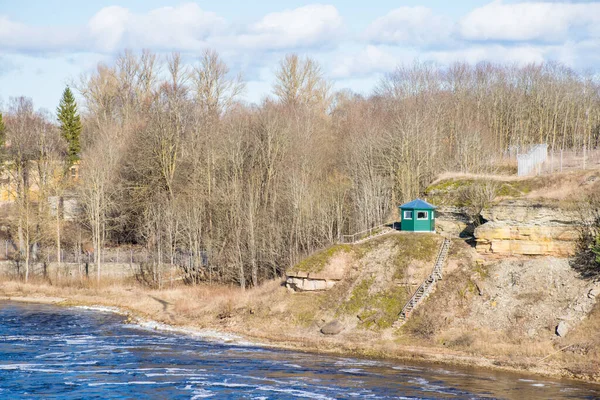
<point x="73" y="353"/>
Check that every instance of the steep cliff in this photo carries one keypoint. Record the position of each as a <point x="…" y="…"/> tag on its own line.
<point x="529" y="228"/>
<point x="506" y="215"/>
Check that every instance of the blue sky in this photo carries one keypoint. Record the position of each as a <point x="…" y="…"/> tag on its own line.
<point x="44" y="45"/>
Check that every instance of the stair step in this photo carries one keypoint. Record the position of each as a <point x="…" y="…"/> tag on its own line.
<point x="425" y="288"/>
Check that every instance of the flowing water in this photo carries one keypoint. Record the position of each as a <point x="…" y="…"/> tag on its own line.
<point x="73" y="353"/>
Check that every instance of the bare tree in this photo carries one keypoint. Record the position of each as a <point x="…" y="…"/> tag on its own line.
<point x="301" y="82"/>
<point x="215" y="90"/>
<point x="100" y="186"/>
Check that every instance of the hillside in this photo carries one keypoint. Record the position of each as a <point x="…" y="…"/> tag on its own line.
<point x="487" y="312"/>
<point x="506" y="309"/>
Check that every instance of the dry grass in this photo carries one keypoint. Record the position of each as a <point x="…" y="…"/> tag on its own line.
<point x="560" y="188"/>
<point x="438" y="331"/>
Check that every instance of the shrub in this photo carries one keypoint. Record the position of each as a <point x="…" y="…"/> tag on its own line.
<point x="587" y="258"/>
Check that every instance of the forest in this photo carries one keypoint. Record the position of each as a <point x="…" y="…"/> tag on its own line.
<point x="171" y="157"/>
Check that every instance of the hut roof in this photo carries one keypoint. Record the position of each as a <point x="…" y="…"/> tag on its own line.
<point x="419" y="204"/>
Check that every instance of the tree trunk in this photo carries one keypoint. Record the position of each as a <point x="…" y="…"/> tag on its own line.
<point x="58" y="258"/>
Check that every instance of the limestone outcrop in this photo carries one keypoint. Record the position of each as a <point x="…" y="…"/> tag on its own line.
<point x="323" y="279"/>
<point x="301" y="281"/>
<point x="453" y="221"/>
<point x="522" y="227"/>
<point x="502" y="238"/>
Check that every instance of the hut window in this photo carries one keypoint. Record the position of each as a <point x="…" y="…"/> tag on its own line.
<point x="421" y="214"/>
<point x="407" y="214"/>
<point x="432" y="214"/>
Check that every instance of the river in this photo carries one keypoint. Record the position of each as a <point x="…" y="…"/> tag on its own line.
<point x="73" y="353"/>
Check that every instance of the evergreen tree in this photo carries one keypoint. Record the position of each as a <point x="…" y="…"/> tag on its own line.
<point x="70" y="125"/>
<point x="2" y="132"/>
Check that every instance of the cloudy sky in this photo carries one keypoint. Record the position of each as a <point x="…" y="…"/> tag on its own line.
<point x="45" y="44"/>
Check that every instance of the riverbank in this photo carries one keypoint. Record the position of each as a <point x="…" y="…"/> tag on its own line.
<point x="255" y="316"/>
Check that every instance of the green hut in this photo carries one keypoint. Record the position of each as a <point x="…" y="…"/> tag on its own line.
<point x="417" y="216"/>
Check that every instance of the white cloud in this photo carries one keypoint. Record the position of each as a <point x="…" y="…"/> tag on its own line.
<point x="186" y="28"/>
<point x="521" y="55"/>
<point x="107" y="27"/>
<point x="413" y="26"/>
<point x="15" y="36"/>
<point x="312" y="25"/>
<point x="371" y="59"/>
<point x="380" y="59"/>
<point x="531" y="31"/>
<point x="546" y="22"/>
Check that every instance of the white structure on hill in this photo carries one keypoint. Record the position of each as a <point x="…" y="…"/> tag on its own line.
<point x="533" y="160"/>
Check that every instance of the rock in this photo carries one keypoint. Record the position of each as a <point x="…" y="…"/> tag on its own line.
<point x="479" y="290"/>
<point x="593" y="293"/>
<point x="332" y="328"/>
<point x="454" y="228"/>
<point x="562" y="328"/>
<point x="334" y="271"/>
<point x="524" y="227"/>
<point x="503" y="238"/>
<point x="526" y="211"/>
<point x="307" y="284"/>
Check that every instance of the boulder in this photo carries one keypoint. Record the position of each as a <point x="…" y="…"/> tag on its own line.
<point x="562" y="328"/>
<point x="332" y="328"/>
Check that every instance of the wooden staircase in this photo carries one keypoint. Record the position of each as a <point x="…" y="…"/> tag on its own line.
<point x="427" y="286"/>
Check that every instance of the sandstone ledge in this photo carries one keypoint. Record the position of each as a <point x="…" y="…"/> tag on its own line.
<point x="501" y="238"/>
<point x="308" y="284"/>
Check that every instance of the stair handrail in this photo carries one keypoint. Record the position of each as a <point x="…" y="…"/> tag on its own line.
<point x="438" y="265"/>
<point x="354" y="235"/>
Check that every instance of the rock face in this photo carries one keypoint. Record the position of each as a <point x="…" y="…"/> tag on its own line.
<point x="299" y="283"/>
<point x="325" y="279"/>
<point x="529" y="296"/>
<point x="453" y="220"/>
<point x="525" y="228"/>
<point x="499" y="237"/>
<point x="332" y="328"/>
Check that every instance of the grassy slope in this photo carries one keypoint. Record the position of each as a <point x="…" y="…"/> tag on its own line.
<point x="369" y="295"/>
<point x="560" y="189"/>
<point x="367" y="305"/>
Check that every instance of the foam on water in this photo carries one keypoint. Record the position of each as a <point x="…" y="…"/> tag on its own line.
<point x="129" y="383"/>
<point x="201" y="394"/>
<point x="104" y="309"/>
<point x="296" y="393"/>
<point x="89" y="352"/>
<point x="352" y="370"/>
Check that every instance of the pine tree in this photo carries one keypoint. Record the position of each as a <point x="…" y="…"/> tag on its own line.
<point x="70" y="125"/>
<point x="2" y="132"/>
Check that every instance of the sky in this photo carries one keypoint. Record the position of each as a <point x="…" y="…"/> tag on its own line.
<point x="48" y="44"/>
